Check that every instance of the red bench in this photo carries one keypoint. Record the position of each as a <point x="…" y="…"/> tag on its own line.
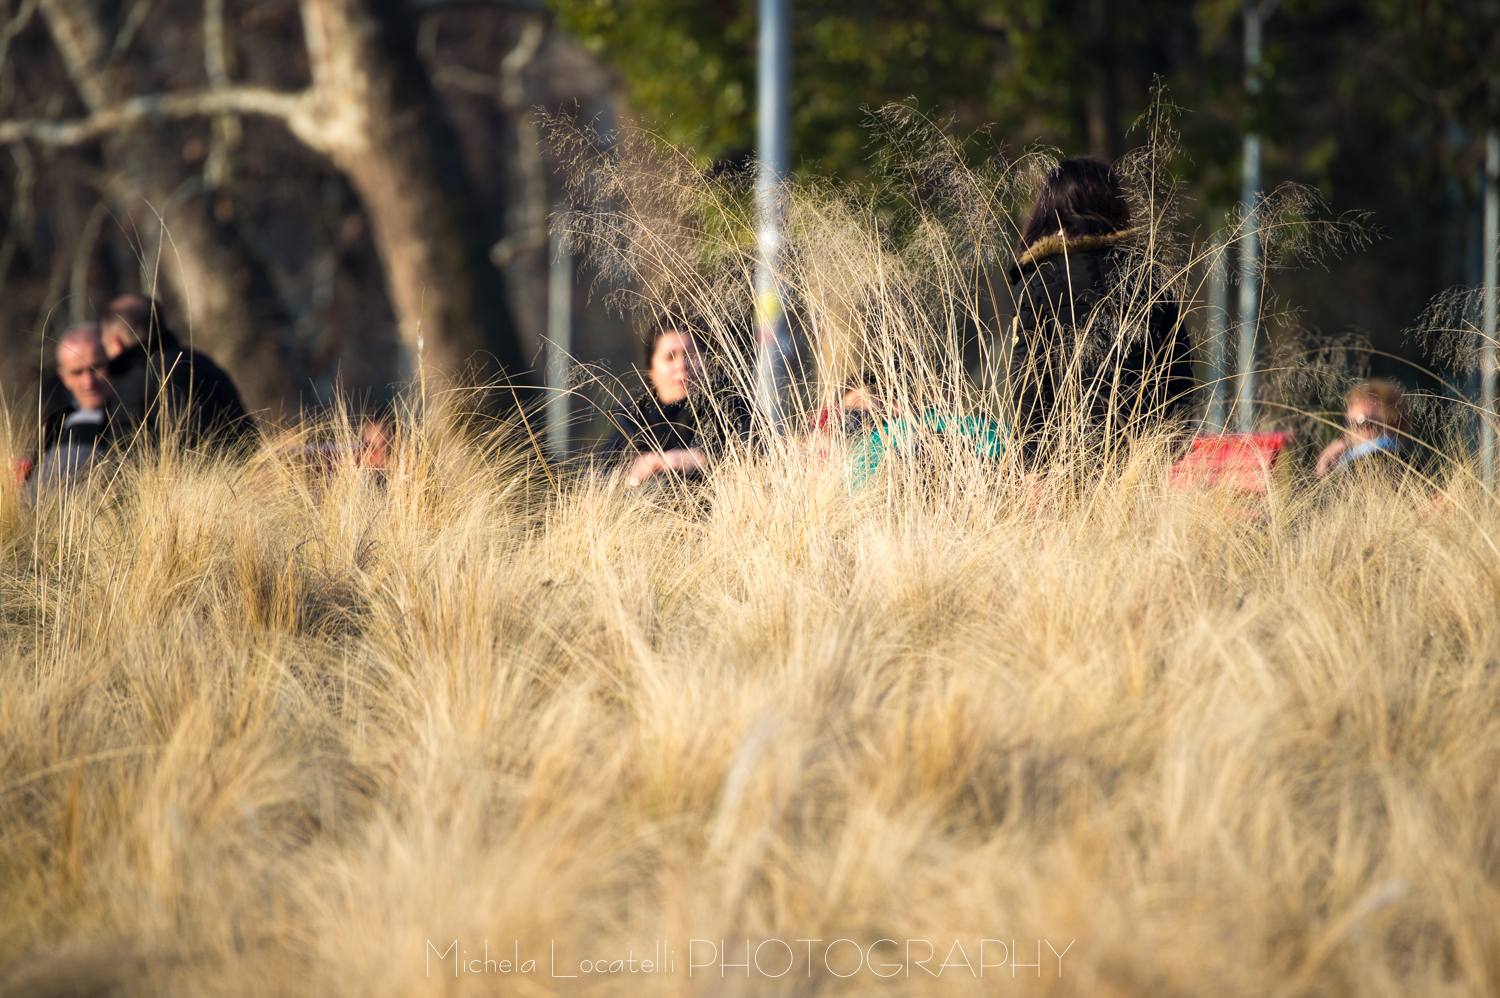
<point x="1242" y="461"/>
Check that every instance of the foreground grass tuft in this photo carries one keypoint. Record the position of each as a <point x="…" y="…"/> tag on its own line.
<point x="266" y="731"/>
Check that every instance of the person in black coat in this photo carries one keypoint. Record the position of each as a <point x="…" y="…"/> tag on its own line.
<point x="1096" y="344"/>
<point x="685" y="421"/>
<point x="161" y="385"/>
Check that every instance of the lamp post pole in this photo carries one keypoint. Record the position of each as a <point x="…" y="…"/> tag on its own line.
<point x="1256" y="12"/>
<point x="1218" y="330"/>
<point x="559" y="341"/>
<point x="774" y="103"/>
<point x="1487" y="346"/>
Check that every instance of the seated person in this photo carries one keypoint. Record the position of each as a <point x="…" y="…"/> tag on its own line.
<point x="853" y="415"/>
<point x="1376" y="417"/>
<point x="160" y="383"/>
<point x="372" y="452"/>
<point x="77" y="431"/>
<point x="684" y="421"/>
<point x="878" y="429"/>
<point x="1098" y="345"/>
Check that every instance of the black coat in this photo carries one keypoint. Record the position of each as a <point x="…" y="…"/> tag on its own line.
<point x="56" y="405"/>
<point x="712" y="419"/>
<point x="162" y="385"/>
<point x="69" y="441"/>
<point x="56" y="408"/>
<point x="62" y="429"/>
<point x="1092" y="340"/>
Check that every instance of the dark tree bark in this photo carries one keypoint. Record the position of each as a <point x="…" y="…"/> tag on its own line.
<point x="221" y="298"/>
<point x="374" y="114"/>
<point x="1102" y="102"/>
<point x="371" y="110"/>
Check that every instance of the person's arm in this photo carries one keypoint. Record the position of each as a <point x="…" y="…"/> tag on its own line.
<point x="721" y="418"/>
<point x="682" y="461"/>
<point x="629" y="432"/>
<point x="1330" y="456"/>
<point x="687" y="460"/>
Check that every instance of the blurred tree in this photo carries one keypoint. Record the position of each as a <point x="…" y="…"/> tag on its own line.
<point x="1072" y="72"/>
<point x="1048" y="71"/>
<point x="369" y="107"/>
<point x="1376" y="102"/>
<point x="207" y="272"/>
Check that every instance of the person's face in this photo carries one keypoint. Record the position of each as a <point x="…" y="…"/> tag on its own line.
<point x="82" y="367"/>
<point x="858" y="399"/>
<point x="375" y="445"/>
<point x="117" y="338"/>
<point x="1362" y="420"/>
<point x="674" y="366"/>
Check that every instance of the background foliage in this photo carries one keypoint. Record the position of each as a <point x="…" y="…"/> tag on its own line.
<point x="1380" y="104"/>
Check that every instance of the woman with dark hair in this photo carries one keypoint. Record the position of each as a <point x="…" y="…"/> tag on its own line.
<point x="683" y="421"/>
<point x="1096" y="343"/>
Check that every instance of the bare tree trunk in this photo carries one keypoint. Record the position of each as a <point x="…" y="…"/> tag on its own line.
<point x="231" y="308"/>
<point x="372" y="111"/>
<point x="1102" y="103"/>
<point x="375" y="115"/>
<point x="218" y="288"/>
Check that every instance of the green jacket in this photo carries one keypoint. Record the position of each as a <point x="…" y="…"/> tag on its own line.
<point x="985" y="435"/>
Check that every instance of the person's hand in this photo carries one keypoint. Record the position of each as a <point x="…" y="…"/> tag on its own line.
<point x="680" y="460"/>
<point x="644" y="467"/>
<point x="1330" y="456"/>
<point x="686" y="459"/>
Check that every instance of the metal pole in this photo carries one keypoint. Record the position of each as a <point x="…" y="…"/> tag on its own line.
<point x="1218" y="330"/>
<point x="1249" y="317"/>
<point x="1487" y="347"/>
<point x="772" y="334"/>
<point x="559" y="341"/>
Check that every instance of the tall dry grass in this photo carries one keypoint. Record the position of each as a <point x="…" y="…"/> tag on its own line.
<point x="268" y="729"/>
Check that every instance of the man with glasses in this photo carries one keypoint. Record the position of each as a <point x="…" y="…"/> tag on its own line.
<point x="1376" y="418"/>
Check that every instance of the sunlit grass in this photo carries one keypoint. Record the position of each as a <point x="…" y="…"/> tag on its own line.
<point x="267" y="727"/>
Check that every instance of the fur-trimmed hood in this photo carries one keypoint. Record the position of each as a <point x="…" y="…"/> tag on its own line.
<point x="1060" y="242"/>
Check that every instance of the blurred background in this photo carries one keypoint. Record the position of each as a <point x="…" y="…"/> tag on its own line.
<point x="269" y="167"/>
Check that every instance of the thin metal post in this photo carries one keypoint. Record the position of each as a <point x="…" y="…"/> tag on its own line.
<point x="772" y="334"/>
<point x="1256" y="11"/>
<point x="1487" y="347"/>
<point x="559" y="341"/>
<point x="1218" y="330"/>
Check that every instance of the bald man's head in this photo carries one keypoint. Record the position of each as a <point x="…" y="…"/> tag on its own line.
<point x="83" y="366"/>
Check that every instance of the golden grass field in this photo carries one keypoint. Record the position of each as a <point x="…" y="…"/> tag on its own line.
<point x="266" y="730"/>
<point x="269" y="732"/>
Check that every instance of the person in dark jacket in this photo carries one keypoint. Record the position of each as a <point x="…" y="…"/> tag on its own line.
<point x="160" y="384"/>
<point x="685" y="420"/>
<point x="1096" y="344"/>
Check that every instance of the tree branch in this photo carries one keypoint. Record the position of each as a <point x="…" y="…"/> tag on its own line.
<point x="158" y="107"/>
